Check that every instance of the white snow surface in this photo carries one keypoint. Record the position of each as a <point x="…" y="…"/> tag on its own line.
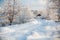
<point x="38" y="29"/>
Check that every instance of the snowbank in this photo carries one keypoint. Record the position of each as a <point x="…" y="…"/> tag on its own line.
<point x="36" y="29"/>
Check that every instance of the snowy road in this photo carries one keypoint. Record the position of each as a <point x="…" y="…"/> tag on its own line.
<point x="34" y="30"/>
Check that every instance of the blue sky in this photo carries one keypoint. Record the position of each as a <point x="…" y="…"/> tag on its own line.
<point x="32" y="4"/>
<point x="1" y="1"/>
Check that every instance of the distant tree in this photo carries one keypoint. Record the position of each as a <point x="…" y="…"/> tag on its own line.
<point x="25" y="15"/>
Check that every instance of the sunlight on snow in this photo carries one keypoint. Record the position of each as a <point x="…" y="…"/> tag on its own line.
<point x="36" y="22"/>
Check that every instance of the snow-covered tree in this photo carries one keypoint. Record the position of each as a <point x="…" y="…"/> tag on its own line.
<point x="12" y="7"/>
<point x="25" y="15"/>
<point x="15" y="13"/>
<point x="53" y="9"/>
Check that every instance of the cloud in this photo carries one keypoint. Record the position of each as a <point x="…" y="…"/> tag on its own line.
<point x="35" y="4"/>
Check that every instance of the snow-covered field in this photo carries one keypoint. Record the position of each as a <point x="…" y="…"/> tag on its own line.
<point x="38" y="29"/>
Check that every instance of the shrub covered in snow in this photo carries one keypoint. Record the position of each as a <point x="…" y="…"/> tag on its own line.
<point x="24" y="15"/>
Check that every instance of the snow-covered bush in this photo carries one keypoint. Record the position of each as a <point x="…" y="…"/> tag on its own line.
<point x="24" y="15"/>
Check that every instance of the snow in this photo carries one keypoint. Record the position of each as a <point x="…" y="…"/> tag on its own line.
<point x="38" y="29"/>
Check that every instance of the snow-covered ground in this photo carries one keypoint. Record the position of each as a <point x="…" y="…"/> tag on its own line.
<point x="38" y="29"/>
